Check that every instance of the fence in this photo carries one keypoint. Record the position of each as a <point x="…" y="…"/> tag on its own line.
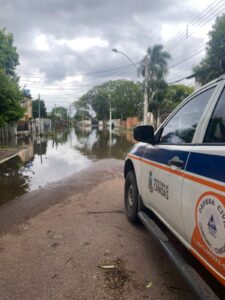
<point x="41" y="126"/>
<point x="8" y="136"/>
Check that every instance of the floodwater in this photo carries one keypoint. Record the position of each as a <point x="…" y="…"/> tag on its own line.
<point x="66" y="152"/>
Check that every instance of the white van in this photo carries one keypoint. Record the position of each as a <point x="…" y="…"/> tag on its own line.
<point x="179" y="174"/>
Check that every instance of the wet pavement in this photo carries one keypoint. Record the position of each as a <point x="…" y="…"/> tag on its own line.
<point x="58" y="156"/>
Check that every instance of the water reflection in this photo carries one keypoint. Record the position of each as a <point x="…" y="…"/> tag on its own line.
<point x="99" y="144"/>
<point x="49" y="159"/>
<point x="12" y="180"/>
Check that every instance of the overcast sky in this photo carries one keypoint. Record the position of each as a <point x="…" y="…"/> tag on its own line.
<point x="65" y="45"/>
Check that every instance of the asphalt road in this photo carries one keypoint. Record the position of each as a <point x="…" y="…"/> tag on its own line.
<point x="55" y="243"/>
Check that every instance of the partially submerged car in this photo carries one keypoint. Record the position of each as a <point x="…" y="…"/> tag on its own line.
<point x="178" y="173"/>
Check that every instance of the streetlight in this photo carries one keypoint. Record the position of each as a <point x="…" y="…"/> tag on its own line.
<point x="145" y="117"/>
<point x="124" y="54"/>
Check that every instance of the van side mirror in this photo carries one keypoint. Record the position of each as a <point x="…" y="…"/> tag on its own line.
<point x="144" y="133"/>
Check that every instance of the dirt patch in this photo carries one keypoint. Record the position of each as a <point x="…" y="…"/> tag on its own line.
<point x="115" y="277"/>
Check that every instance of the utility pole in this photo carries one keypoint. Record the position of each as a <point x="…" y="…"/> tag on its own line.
<point x="70" y="113"/>
<point x="145" y="119"/>
<point x="110" y="114"/>
<point x="39" y="112"/>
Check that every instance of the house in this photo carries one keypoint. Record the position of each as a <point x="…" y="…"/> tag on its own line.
<point x="24" y="124"/>
<point x="27" y="104"/>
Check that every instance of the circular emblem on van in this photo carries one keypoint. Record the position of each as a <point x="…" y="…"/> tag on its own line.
<point x="210" y="216"/>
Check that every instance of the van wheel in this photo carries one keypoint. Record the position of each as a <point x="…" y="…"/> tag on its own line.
<point x="131" y="197"/>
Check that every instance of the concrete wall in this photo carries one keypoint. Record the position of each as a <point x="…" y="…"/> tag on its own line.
<point x="116" y="122"/>
<point x="41" y="125"/>
<point x="86" y="122"/>
<point x="123" y="123"/>
<point x="100" y="123"/>
<point x="132" y="122"/>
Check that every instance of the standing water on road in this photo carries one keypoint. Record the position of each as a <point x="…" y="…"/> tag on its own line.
<point x="63" y="154"/>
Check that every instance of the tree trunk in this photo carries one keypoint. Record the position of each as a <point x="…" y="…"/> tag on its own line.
<point x="155" y="120"/>
<point x="158" y="118"/>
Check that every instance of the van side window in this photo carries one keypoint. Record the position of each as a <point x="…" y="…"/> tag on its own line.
<point x="215" y="132"/>
<point x="181" y="128"/>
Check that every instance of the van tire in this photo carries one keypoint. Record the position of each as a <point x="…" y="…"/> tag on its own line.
<point x="131" y="196"/>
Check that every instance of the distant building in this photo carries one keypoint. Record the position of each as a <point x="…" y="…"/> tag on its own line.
<point x="24" y="124"/>
<point x="85" y="123"/>
<point x="27" y="104"/>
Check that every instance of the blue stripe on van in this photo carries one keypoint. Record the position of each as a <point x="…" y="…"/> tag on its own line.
<point x="138" y="150"/>
<point x="162" y="156"/>
<point x="206" y="165"/>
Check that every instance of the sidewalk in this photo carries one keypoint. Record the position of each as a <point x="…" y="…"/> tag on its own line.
<point x="8" y="153"/>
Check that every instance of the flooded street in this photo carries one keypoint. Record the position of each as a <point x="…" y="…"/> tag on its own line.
<point x="50" y="159"/>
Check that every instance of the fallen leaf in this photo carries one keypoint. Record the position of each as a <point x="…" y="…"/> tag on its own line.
<point x="107" y="267"/>
<point x="149" y="285"/>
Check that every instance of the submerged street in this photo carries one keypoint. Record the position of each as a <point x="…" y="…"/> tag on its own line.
<point x="65" y="152"/>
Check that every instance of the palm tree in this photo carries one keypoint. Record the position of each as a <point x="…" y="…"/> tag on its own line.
<point x="155" y="64"/>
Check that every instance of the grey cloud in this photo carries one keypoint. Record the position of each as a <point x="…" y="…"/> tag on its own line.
<point x="131" y="25"/>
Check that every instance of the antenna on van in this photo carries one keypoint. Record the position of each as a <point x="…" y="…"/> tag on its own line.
<point x="222" y="63"/>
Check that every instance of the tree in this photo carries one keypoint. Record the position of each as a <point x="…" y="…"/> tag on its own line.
<point x="10" y="100"/>
<point x="100" y="101"/>
<point x="209" y="68"/>
<point x="10" y="94"/>
<point x="156" y="63"/>
<point x="156" y="60"/>
<point x="9" y="57"/>
<point x="35" y="109"/>
<point x="82" y="114"/>
<point x="125" y="97"/>
<point x="59" y="113"/>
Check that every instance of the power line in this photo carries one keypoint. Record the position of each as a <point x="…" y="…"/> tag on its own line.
<point x="181" y="79"/>
<point x="184" y="60"/>
<point x="109" y="75"/>
<point x="206" y="19"/>
<point x="178" y="75"/>
<point x="173" y="39"/>
<point x="78" y="74"/>
<point x="201" y="46"/>
<point x="78" y="87"/>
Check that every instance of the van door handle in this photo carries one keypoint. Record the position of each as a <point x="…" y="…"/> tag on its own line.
<point x="177" y="162"/>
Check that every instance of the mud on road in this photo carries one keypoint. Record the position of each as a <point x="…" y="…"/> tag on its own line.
<point x="71" y="240"/>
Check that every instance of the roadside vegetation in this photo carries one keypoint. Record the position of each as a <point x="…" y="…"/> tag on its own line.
<point x="209" y="68"/>
<point x="126" y="97"/>
<point x="10" y="93"/>
<point x="35" y="109"/>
